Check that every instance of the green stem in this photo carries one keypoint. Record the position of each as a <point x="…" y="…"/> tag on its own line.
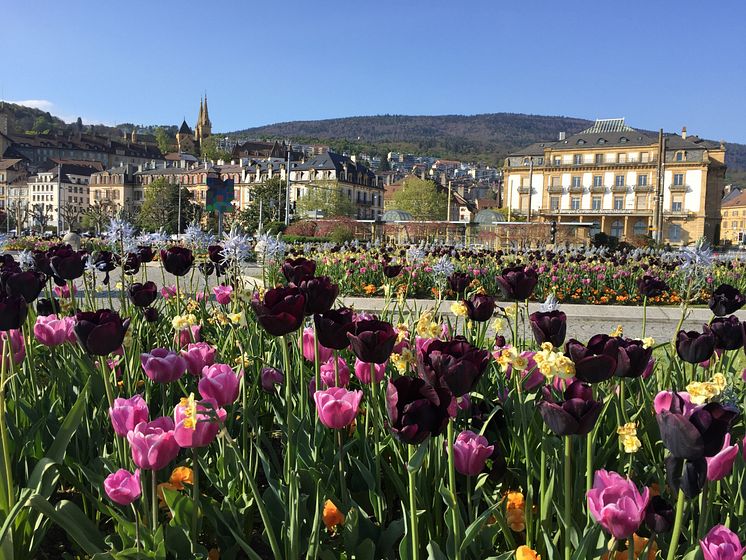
<point x="154" y="498"/>
<point x="195" y="498"/>
<point x="631" y="548"/>
<point x="376" y="455"/>
<point x="567" y="512"/>
<point x="589" y="466"/>
<point x="342" y="478"/>
<point x="644" y="315"/>
<point x="4" y="430"/>
<point x="413" y="508"/>
<point x="676" y="527"/>
<point x="452" y="487"/>
<point x="704" y="510"/>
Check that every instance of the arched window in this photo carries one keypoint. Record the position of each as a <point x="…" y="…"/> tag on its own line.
<point x="674" y="232"/>
<point x="640" y="228"/>
<point x="595" y="228"/>
<point x="617" y="229"/>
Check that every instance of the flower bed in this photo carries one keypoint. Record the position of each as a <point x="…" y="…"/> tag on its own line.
<point x="278" y="425"/>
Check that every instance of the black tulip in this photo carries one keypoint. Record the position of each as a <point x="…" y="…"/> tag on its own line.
<point x="689" y="476"/>
<point x="459" y="282"/>
<point x="728" y="332"/>
<point x="68" y="264"/>
<point x="13" y="311"/>
<point x="145" y="253"/>
<point x="659" y="515"/>
<point x="549" y="326"/>
<point x="455" y="365"/>
<point x="45" y="307"/>
<point x="151" y="314"/>
<point x="320" y="294"/>
<point x="726" y="300"/>
<point x="131" y="264"/>
<point x="281" y="311"/>
<point x="650" y="286"/>
<point x="695" y="347"/>
<point x="100" y="332"/>
<point x="372" y="341"/>
<point x="596" y="361"/>
<point x="480" y="307"/>
<point x="517" y="283"/>
<point x="297" y="270"/>
<point x="27" y="284"/>
<point x="699" y="434"/>
<point x="177" y="260"/>
<point x="633" y="358"/>
<point x="215" y="254"/>
<point x="575" y="415"/>
<point x="142" y="295"/>
<point x="417" y="410"/>
<point x="392" y="270"/>
<point x="332" y="327"/>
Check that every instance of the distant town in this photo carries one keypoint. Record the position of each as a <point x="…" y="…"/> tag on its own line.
<point x="616" y="180"/>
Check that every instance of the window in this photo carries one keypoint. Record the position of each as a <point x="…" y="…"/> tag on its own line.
<point x="617" y="229"/>
<point x="645" y="157"/>
<point x="557" y="160"/>
<point x="678" y="179"/>
<point x="554" y="202"/>
<point x="677" y="204"/>
<point x="619" y="180"/>
<point x="575" y="203"/>
<point x="680" y="156"/>
<point x="576" y="181"/>
<point x="595" y="228"/>
<point x="555" y="181"/>
<point x="598" y="180"/>
<point x="674" y="232"/>
<point x="577" y="159"/>
<point x="618" y="203"/>
<point x="540" y="161"/>
<point x="642" y="180"/>
<point x="622" y="158"/>
<point x="725" y="214"/>
<point x="641" y="202"/>
<point x="599" y="159"/>
<point x="596" y="203"/>
<point x="640" y="228"/>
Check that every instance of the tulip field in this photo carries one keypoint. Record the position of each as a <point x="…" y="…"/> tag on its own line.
<point x="207" y="418"/>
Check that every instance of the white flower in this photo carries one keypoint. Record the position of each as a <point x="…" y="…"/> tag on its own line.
<point x="119" y="231"/>
<point x="236" y="246"/>
<point x="26" y="259"/>
<point x="550" y="304"/>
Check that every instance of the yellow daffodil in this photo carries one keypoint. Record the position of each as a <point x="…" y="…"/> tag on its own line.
<point x="618" y="331"/>
<point x="458" y="308"/>
<point x="648" y="342"/>
<point x="628" y="437"/>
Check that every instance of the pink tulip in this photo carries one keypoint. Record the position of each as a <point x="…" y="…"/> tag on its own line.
<point x="51" y="331"/>
<point x="17" y="346"/>
<point x="168" y="291"/>
<point x="64" y="291"/>
<point x="662" y="401"/>
<point x="197" y="427"/>
<point x="328" y="376"/>
<point x="721" y="544"/>
<point x="128" y="413"/>
<point x="362" y="371"/>
<point x="616" y="503"/>
<point x="223" y="294"/>
<point x="337" y="407"/>
<point x="123" y="487"/>
<point x="421" y="344"/>
<point x="470" y="451"/>
<point x="270" y="377"/>
<point x="153" y="444"/>
<point x="162" y="365"/>
<point x="198" y="355"/>
<point x="721" y="465"/>
<point x="189" y="336"/>
<point x="308" y="350"/>
<point x="219" y="383"/>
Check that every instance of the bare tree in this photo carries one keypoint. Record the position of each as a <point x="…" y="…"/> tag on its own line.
<point x="100" y="212"/>
<point x="19" y="214"/>
<point x="70" y="214"/>
<point x="40" y="214"/>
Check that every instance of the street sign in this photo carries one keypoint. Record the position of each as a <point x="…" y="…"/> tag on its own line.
<point x="219" y="195"/>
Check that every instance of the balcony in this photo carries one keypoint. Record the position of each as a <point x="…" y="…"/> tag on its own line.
<point x="555" y="189"/>
<point x="524" y="189"/>
<point x="576" y="189"/>
<point x="636" y="163"/>
<point x="619" y="188"/>
<point x="598" y="189"/>
<point x="678" y="188"/>
<point x="592" y="211"/>
<point x="642" y="188"/>
<point x="683" y="213"/>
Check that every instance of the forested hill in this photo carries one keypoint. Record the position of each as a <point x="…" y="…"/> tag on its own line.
<point x="487" y="137"/>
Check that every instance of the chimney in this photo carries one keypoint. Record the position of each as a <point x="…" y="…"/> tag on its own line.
<point x="683" y="132"/>
<point x="4" y="125"/>
<point x="561" y="136"/>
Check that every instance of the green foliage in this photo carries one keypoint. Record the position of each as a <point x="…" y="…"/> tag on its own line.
<point x="326" y="200"/>
<point x="163" y="139"/>
<point x="160" y="209"/>
<point x="265" y="195"/>
<point x="212" y="151"/>
<point x="422" y="199"/>
<point x="340" y="234"/>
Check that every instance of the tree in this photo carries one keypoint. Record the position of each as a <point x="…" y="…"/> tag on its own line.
<point x="212" y="151"/>
<point x="70" y="214"/>
<point x="98" y="214"/>
<point x="163" y="140"/>
<point x="269" y="197"/>
<point x="422" y="199"/>
<point x="40" y="214"/>
<point x="160" y="208"/>
<point x="324" y="200"/>
<point x="19" y="214"/>
<point x="385" y="165"/>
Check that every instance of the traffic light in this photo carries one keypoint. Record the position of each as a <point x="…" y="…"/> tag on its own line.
<point x="553" y="231"/>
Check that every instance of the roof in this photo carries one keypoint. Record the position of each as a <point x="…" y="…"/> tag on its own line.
<point x="8" y="163"/>
<point x="396" y="216"/>
<point x="602" y="126"/>
<point x="736" y="201"/>
<point x="184" y="128"/>
<point x="734" y="192"/>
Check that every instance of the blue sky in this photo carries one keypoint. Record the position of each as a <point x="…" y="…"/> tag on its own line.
<point x="657" y="63"/>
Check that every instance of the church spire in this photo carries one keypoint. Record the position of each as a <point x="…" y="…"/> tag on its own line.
<point x="206" y="116"/>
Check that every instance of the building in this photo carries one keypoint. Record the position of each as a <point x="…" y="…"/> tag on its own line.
<point x="609" y="175"/>
<point x="733" y="225"/>
<point x="185" y="138"/>
<point x="58" y="197"/>
<point x="203" y="128"/>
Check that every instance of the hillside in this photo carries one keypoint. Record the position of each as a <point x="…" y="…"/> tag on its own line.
<point x="487" y="137"/>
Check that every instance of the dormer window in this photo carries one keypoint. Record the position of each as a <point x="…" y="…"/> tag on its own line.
<point x="623" y="140"/>
<point x="581" y="141"/>
<point x="601" y="141"/>
<point x="680" y="156"/>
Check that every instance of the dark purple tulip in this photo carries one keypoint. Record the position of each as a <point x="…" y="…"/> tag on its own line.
<point x="650" y="286"/>
<point x="150" y="314"/>
<point x="332" y="327"/>
<point x="372" y="341"/>
<point x="131" y="264"/>
<point x="41" y="262"/>
<point x="689" y="476"/>
<point x="104" y="261"/>
<point x="177" y="260"/>
<point x="282" y="310"/>
<point x="27" y="284"/>
<point x="320" y="294"/>
<point x="659" y="515"/>
<point x="142" y="295"/>
<point x="215" y="254"/>
<point x="726" y="300"/>
<point x="297" y="270"/>
<point x="45" y="307"/>
<point x="480" y="308"/>
<point x="417" y="409"/>
<point x="699" y="434"/>
<point x="145" y="253"/>
<point x="67" y="264"/>
<point x="694" y="347"/>
<point x="576" y="415"/>
<point x="500" y="341"/>
<point x="100" y="332"/>
<point x="455" y="365"/>
<point x="633" y="358"/>
<point x="459" y="281"/>
<point x="13" y="310"/>
<point x="596" y="361"/>
<point x="392" y="270"/>
<point x="517" y="282"/>
<point x="728" y="332"/>
<point x="549" y="326"/>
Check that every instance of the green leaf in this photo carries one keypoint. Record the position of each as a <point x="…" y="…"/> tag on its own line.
<point x="73" y="521"/>
<point x="588" y="545"/>
<point x="434" y="552"/>
<point x="416" y="462"/>
<point x="473" y="530"/>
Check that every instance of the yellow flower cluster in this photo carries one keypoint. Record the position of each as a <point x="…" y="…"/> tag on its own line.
<point x="628" y="437"/>
<point x="551" y="363"/>
<point x="403" y="360"/>
<point x="702" y="391"/>
<point x="458" y="308"/>
<point x="181" y="322"/>
<point x="507" y="357"/>
<point x="221" y="318"/>
<point x="189" y="408"/>
<point x="514" y="511"/>
<point x="244" y="361"/>
<point x="618" y="331"/>
<point x="402" y="332"/>
<point x="498" y="324"/>
<point x="426" y="327"/>
<point x="648" y="342"/>
<point x="192" y="306"/>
